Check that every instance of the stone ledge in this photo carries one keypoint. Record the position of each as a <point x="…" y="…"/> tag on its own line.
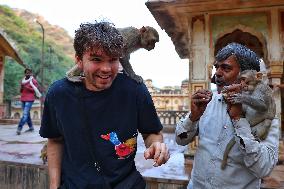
<point x="30" y="176"/>
<point x="16" y="121"/>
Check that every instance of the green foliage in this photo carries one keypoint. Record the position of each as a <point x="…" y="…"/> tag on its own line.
<point x="28" y="40"/>
<point x="12" y="79"/>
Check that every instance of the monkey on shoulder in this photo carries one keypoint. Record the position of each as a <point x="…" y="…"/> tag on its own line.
<point x="133" y="38"/>
<point x="257" y="102"/>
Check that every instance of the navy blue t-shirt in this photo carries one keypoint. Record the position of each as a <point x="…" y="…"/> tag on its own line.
<point x="115" y="115"/>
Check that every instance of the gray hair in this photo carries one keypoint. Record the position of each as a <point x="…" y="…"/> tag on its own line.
<point x="247" y="59"/>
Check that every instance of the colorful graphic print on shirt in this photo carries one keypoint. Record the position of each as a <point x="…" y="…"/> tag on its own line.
<point x="122" y="149"/>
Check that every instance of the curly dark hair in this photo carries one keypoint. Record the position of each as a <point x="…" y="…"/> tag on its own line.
<point x="102" y="35"/>
<point x="247" y="59"/>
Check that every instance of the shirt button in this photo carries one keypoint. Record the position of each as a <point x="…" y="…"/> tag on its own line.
<point x="225" y="126"/>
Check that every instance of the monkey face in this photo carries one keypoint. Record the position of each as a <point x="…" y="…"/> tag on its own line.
<point x="148" y="44"/>
<point x="151" y="44"/>
<point x="248" y="78"/>
<point x="149" y="37"/>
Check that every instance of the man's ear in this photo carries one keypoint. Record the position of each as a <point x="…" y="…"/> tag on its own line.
<point x="259" y="75"/>
<point x="79" y="62"/>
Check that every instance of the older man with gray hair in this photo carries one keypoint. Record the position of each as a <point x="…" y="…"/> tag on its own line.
<point x="215" y="124"/>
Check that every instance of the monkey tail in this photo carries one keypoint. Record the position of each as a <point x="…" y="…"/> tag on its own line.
<point x="226" y="153"/>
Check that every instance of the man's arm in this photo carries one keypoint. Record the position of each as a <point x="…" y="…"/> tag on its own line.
<point x="54" y="158"/>
<point x="156" y="149"/>
<point x="259" y="157"/>
<point x="186" y="130"/>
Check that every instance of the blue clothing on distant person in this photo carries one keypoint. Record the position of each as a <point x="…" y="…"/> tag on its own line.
<point x="26" y="118"/>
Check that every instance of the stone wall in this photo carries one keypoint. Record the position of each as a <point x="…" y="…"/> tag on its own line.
<point x="28" y="176"/>
<point x="23" y="176"/>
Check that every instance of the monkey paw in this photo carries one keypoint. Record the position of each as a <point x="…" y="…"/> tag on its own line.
<point x="236" y="98"/>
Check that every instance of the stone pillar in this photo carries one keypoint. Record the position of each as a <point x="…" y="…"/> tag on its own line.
<point x="199" y="73"/>
<point x="275" y="58"/>
<point x="200" y="55"/>
<point x="2" y="105"/>
<point x="1" y="79"/>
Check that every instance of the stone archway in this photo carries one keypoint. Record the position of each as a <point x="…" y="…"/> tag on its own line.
<point x="245" y="36"/>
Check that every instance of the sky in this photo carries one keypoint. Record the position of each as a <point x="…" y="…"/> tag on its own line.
<point x="161" y="64"/>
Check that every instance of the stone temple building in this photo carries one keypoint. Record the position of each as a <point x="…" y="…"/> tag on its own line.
<point x="171" y="98"/>
<point x="199" y="28"/>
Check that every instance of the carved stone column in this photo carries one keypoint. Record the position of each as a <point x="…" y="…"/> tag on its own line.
<point x="199" y="72"/>
<point x="275" y="60"/>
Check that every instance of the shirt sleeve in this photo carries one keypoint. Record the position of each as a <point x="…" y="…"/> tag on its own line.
<point x="260" y="157"/>
<point x="148" y="120"/>
<point x="49" y="123"/>
<point x="186" y="130"/>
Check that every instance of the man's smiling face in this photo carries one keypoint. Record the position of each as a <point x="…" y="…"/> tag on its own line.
<point x="99" y="69"/>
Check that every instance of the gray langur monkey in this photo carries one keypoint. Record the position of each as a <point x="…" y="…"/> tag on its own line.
<point x="134" y="39"/>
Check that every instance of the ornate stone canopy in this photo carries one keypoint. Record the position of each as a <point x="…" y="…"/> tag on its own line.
<point x="172" y="15"/>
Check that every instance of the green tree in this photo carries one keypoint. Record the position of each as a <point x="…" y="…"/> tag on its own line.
<point x="28" y="40"/>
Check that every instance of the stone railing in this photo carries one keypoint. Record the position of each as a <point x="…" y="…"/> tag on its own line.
<point x="169" y="119"/>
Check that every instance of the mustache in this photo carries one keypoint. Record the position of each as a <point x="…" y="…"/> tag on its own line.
<point x="220" y="81"/>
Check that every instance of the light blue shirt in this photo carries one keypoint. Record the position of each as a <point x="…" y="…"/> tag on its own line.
<point x="246" y="164"/>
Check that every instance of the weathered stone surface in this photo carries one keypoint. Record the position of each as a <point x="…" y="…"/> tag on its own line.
<point x="23" y="176"/>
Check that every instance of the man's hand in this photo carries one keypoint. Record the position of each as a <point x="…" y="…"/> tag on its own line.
<point x="235" y="111"/>
<point x="159" y="152"/>
<point x="234" y="107"/>
<point x="199" y="101"/>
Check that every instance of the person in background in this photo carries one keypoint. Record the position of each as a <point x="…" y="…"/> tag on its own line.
<point x="29" y="87"/>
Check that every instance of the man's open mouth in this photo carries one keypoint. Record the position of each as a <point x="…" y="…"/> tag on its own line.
<point x="104" y="76"/>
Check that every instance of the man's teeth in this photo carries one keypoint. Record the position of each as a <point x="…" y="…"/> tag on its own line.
<point x="104" y="77"/>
